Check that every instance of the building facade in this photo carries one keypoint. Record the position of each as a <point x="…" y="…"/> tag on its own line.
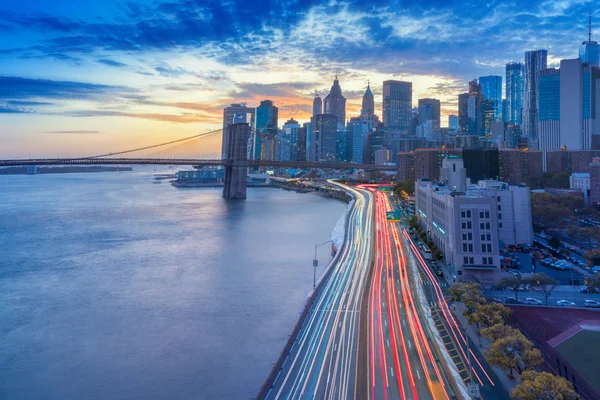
<point x="397" y="105"/>
<point x="357" y="132"/>
<point x="265" y="131"/>
<point x="324" y="137"/>
<point x="463" y="112"/>
<point x="515" y="85"/>
<point x="491" y="90"/>
<point x="367" y="112"/>
<point x="535" y="62"/>
<point x="237" y="113"/>
<point x="595" y="182"/>
<point x="335" y="103"/>
<point x="581" y="181"/>
<point x="515" y="165"/>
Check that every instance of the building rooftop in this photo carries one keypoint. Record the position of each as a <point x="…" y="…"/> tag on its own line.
<point x="580" y="174"/>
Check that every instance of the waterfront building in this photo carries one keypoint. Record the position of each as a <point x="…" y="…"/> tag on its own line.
<point x="233" y="114"/>
<point x="357" y="134"/>
<point x="471" y="223"/>
<point x="335" y="103"/>
<point x="265" y="131"/>
<point x="324" y="137"/>
<point x="453" y="122"/>
<point x="515" y="85"/>
<point x="202" y="176"/>
<point x="397" y="106"/>
<point x="535" y="62"/>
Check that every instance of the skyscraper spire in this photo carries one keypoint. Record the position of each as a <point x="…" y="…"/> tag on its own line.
<point x="590" y="27"/>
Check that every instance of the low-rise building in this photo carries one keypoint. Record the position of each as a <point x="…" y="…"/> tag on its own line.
<point x="471" y="223"/>
<point x="581" y="181"/>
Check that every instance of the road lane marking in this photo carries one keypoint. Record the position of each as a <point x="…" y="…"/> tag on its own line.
<point x="418" y="374"/>
<point x="392" y="371"/>
<point x="388" y="342"/>
<point x="409" y="344"/>
<point x="335" y="347"/>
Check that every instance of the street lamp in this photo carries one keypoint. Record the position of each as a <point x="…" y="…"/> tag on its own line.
<point x="316" y="262"/>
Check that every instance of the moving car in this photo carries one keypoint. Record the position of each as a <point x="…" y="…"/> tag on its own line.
<point x="591" y="304"/>
<point x="565" y="303"/>
<point x="532" y="301"/>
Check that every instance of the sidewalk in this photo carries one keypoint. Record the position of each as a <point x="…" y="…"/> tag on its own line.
<point x="457" y="310"/>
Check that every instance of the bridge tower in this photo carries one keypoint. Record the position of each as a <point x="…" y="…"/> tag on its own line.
<point x="236" y="163"/>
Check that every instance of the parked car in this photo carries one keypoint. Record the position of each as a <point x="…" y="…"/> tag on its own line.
<point x="565" y="303"/>
<point x="494" y="300"/>
<point x="512" y="300"/>
<point x="591" y="304"/>
<point x="585" y="289"/>
<point x="532" y="301"/>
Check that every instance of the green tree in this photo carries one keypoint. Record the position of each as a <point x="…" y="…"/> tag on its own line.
<point x="404" y="189"/>
<point x="542" y="283"/>
<point x="468" y="293"/>
<point x="514" y="283"/>
<point x="514" y="353"/>
<point x="593" y="282"/>
<point x="554" y="242"/>
<point x="543" y="386"/>
<point x="489" y="314"/>
<point x="498" y="331"/>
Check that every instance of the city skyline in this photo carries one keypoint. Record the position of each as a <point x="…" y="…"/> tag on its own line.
<point x="113" y="74"/>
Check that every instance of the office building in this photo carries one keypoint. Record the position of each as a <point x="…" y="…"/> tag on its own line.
<point x="324" y="137"/>
<point x="406" y="166"/>
<point x="475" y="109"/>
<point x="515" y="85"/>
<point x="463" y="112"/>
<point x="567" y="106"/>
<point x="471" y="226"/>
<point x="491" y="90"/>
<point x="289" y="141"/>
<point x="512" y="134"/>
<point x="265" y="131"/>
<point x="368" y="105"/>
<point x="589" y="52"/>
<point x="429" y="161"/>
<point x="381" y="156"/>
<point x="375" y="141"/>
<point x="535" y="62"/>
<point x="341" y="144"/>
<point x="429" y="110"/>
<point x="317" y="105"/>
<point x="397" y="106"/>
<point x="453" y="122"/>
<point x="581" y="181"/>
<point x="302" y="142"/>
<point x="335" y="103"/>
<point x="514" y="165"/>
<point x="237" y="113"/>
<point x="357" y="132"/>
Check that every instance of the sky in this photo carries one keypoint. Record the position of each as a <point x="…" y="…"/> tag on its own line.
<point x="82" y="77"/>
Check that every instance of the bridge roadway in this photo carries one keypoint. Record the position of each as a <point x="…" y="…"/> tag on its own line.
<point x="402" y="361"/>
<point x="192" y="161"/>
<point x="322" y="363"/>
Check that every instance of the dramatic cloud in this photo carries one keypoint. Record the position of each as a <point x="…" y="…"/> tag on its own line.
<point x="112" y="63"/>
<point x="12" y="87"/>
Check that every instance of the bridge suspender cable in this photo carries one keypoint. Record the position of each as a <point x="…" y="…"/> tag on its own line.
<point x="150" y="147"/>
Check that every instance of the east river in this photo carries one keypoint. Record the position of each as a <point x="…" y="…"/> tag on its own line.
<point x="114" y="287"/>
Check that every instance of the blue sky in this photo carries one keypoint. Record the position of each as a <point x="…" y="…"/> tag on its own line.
<point x="76" y="77"/>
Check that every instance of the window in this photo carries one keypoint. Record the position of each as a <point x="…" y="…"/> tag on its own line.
<point x="498" y="198"/>
<point x="499" y="207"/>
<point x="481" y="225"/>
<point x="464" y="235"/>
<point x="471" y="260"/>
<point x="468" y="213"/>
<point x="463" y="214"/>
<point x="490" y="261"/>
<point x="483" y="248"/>
<point x="482" y="236"/>
<point x="484" y="260"/>
<point x="469" y="226"/>
<point x="480" y="214"/>
<point x="470" y="247"/>
<point x="489" y="248"/>
<point x="487" y="225"/>
<point x="499" y="216"/>
<point x="470" y="236"/>
<point x="489" y="236"/>
<point x="464" y="225"/>
<point x="499" y="224"/>
<point x="487" y="214"/>
<point x="466" y="260"/>
<point x="464" y="247"/>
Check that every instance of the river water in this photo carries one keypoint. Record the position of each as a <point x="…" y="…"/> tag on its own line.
<point x="113" y="287"/>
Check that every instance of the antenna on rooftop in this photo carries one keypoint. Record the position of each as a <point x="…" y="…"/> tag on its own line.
<point x="590" y="27"/>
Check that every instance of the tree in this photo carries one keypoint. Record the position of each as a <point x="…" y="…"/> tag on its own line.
<point x="404" y="189"/>
<point x="514" y="353"/>
<point x="498" y="331"/>
<point x="543" y="386"/>
<point x="593" y="282"/>
<point x="468" y="293"/>
<point x="542" y="283"/>
<point x="554" y="242"/>
<point x="514" y="283"/>
<point x="590" y="255"/>
<point x="489" y="314"/>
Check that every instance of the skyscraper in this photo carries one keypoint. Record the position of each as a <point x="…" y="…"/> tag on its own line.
<point x="535" y="61"/>
<point x="589" y="52"/>
<point x="289" y="135"/>
<point x="514" y="92"/>
<point x="463" y="112"/>
<point x="324" y="137"/>
<point x="475" y="109"/>
<point x="429" y="110"/>
<point x="453" y="122"/>
<point x="397" y="106"/>
<point x="357" y="131"/>
<point x="266" y="127"/>
<point x="335" y="103"/>
<point x="368" y="104"/>
<point x="317" y="105"/>
<point x="491" y="89"/>
<point x="237" y="113"/>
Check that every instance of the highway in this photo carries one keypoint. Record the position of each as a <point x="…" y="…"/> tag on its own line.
<point x="402" y="361"/>
<point x="322" y="362"/>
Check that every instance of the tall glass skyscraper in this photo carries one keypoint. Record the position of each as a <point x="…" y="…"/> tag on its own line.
<point x="491" y="89"/>
<point x="589" y="52"/>
<point x="266" y="126"/>
<point x="535" y="61"/>
<point x="397" y="106"/>
<point x="514" y="92"/>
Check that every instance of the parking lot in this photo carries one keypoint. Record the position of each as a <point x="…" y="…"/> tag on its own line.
<point x="566" y="277"/>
